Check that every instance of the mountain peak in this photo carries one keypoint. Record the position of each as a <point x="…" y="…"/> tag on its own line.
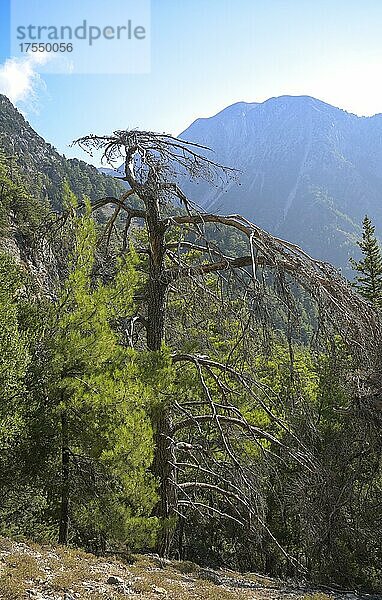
<point x="285" y="102"/>
<point x="304" y="103"/>
<point x="309" y="170"/>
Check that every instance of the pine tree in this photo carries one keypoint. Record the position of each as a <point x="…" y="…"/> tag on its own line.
<point x="101" y="404"/>
<point x="369" y="280"/>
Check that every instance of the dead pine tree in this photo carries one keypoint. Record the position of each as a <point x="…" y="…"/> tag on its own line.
<point x="187" y="471"/>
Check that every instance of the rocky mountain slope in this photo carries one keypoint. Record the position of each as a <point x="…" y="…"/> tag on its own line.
<point x="309" y="172"/>
<point x="42" y="167"/>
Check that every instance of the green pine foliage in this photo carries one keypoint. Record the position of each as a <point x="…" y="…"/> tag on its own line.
<point x="14" y="361"/>
<point x="368" y="280"/>
<point x="67" y="357"/>
<point x="22" y="501"/>
<point x="20" y="212"/>
<point x="95" y="381"/>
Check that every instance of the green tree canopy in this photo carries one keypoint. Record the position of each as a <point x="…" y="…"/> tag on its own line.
<point x="97" y="390"/>
<point x="369" y="279"/>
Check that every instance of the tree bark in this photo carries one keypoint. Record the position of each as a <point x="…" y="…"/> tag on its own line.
<point x="164" y="472"/>
<point x="65" y="482"/>
<point x="162" y="467"/>
<point x="155" y="313"/>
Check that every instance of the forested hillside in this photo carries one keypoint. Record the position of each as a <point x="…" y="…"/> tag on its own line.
<point x="42" y="167"/>
<point x="189" y="385"/>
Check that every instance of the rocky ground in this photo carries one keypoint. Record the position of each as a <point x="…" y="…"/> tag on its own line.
<point x="29" y="571"/>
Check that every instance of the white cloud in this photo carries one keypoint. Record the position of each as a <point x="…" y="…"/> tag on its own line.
<point x="20" y="80"/>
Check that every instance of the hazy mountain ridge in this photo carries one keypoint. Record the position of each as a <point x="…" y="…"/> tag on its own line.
<point x="308" y="171"/>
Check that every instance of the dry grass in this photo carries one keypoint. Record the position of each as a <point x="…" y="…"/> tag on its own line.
<point x="54" y="570"/>
<point x="19" y="572"/>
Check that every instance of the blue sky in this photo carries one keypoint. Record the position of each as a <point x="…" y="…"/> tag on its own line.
<point x="207" y="54"/>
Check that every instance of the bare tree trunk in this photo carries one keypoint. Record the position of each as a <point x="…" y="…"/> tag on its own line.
<point x="65" y="483"/>
<point x="156" y="286"/>
<point x="164" y="471"/>
<point x="162" y="423"/>
<point x="155" y="314"/>
<point x="163" y="454"/>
